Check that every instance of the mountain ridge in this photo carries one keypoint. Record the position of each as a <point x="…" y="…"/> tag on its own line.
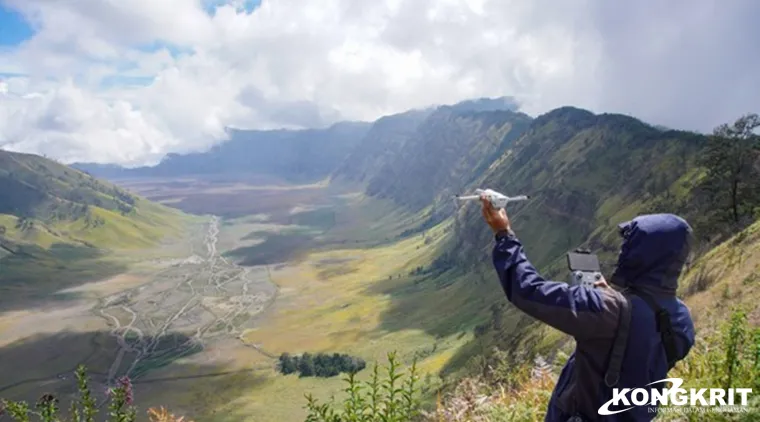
<point x="293" y="155"/>
<point x="60" y="226"/>
<point x="585" y="172"/>
<point x="298" y="155"/>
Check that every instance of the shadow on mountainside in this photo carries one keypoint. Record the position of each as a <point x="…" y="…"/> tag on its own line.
<point x="30" y="273"/>
<point x="442" y="304"/>
<point x="46" y="363"/>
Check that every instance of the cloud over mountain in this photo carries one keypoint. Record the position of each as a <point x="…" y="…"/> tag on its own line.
<point x="127" y="81"/>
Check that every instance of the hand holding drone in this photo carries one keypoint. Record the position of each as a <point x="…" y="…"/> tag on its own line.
<point x="497" y="199"/>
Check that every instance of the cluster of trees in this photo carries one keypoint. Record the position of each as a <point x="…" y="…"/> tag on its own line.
<point x="24" y="223"/>
<point x="93" y="222"/>
<point x="123" y="196"/>
<point x="732" y="180"/>
<point x="320" y="365"/>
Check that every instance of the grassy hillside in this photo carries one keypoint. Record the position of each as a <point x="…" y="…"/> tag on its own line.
<point x="446" y="153"/>
<point x="35" y="187"/>
<point x="43" y="202"/>
<point x="380" y="145"/>
<point x="584" y="173"/>
<point x="386" y="141"/>
<point x="721" y="291"/>
<point x="60" y="226"/>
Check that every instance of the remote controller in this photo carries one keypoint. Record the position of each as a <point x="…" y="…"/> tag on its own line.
<point x="584" y="268"/>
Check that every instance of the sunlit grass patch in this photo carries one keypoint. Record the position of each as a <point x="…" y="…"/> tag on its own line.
<point x="357" y="310"/>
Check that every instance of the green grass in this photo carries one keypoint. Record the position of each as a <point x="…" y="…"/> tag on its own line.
<point x="726" y="268"/>
<point x="155" y="362"/>
<point x="33" y="274"/>
<point x="41" y="258"/>
<point x="278" y="247"/>
<point x="150" y="225"/>
<point x="353" y="298"/>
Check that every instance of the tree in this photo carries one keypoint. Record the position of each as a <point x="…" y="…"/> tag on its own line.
<point x="288" y="364"/>
<point x="306" y="365"/>
<point x="731" y="161"/>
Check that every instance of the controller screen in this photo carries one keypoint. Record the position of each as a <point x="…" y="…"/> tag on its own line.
<point x="582" y="262"/>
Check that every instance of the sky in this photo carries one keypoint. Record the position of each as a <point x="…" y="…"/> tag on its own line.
<point x="127" y="81"/>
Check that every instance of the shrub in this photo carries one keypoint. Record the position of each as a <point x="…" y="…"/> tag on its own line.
<point x="511" y="391"/>
<point x="319" y="365"/>
<point x="391" y="399"/>
<point x="84" y="408"/>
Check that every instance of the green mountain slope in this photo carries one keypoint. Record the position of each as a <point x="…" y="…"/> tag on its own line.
<point x="386" y="141"/>
<point x="584" y="173"/>
<point x="447" y="151"/>
<point x="59" y="226"/>
<point x="721" y="291"/>
<point x="43" y="202"/>
<point x="380" y="145"/>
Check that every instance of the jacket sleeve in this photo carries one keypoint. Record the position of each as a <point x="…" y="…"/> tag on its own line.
<point x="582" y="312"/>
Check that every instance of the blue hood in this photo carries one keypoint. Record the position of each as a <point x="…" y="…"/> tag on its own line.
<point x="654" y="251"/>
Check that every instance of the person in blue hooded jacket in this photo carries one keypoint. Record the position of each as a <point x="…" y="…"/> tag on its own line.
<point x="643" y="304"/>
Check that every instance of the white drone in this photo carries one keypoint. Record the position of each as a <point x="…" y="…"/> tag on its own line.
<point x="497" y="199"/>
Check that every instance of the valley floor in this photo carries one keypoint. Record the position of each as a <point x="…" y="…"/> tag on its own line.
<point x="199" y="325"/>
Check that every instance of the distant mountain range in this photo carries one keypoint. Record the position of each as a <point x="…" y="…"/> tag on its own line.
<point x="296" y="155"/>
<point x="293" y="155"/>
<point x="583" y="170"/>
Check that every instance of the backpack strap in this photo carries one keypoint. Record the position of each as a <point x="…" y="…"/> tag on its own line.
<point x="664" y="326"/>
<point x="612" y="376"/>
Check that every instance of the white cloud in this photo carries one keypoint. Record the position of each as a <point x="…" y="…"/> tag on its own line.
<point x="126" y="81"/>
<point x="71" y="124"/>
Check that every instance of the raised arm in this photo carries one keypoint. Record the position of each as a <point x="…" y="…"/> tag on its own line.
<point x="579" y="311"/>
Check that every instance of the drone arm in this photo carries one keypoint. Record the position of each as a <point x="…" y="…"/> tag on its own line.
<point x="575" y="310"/>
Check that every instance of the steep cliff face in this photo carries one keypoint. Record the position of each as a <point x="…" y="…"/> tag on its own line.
<point x="380" y="145"/>
<point x="445" y="154"/>
<point x="584" y="173"/>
